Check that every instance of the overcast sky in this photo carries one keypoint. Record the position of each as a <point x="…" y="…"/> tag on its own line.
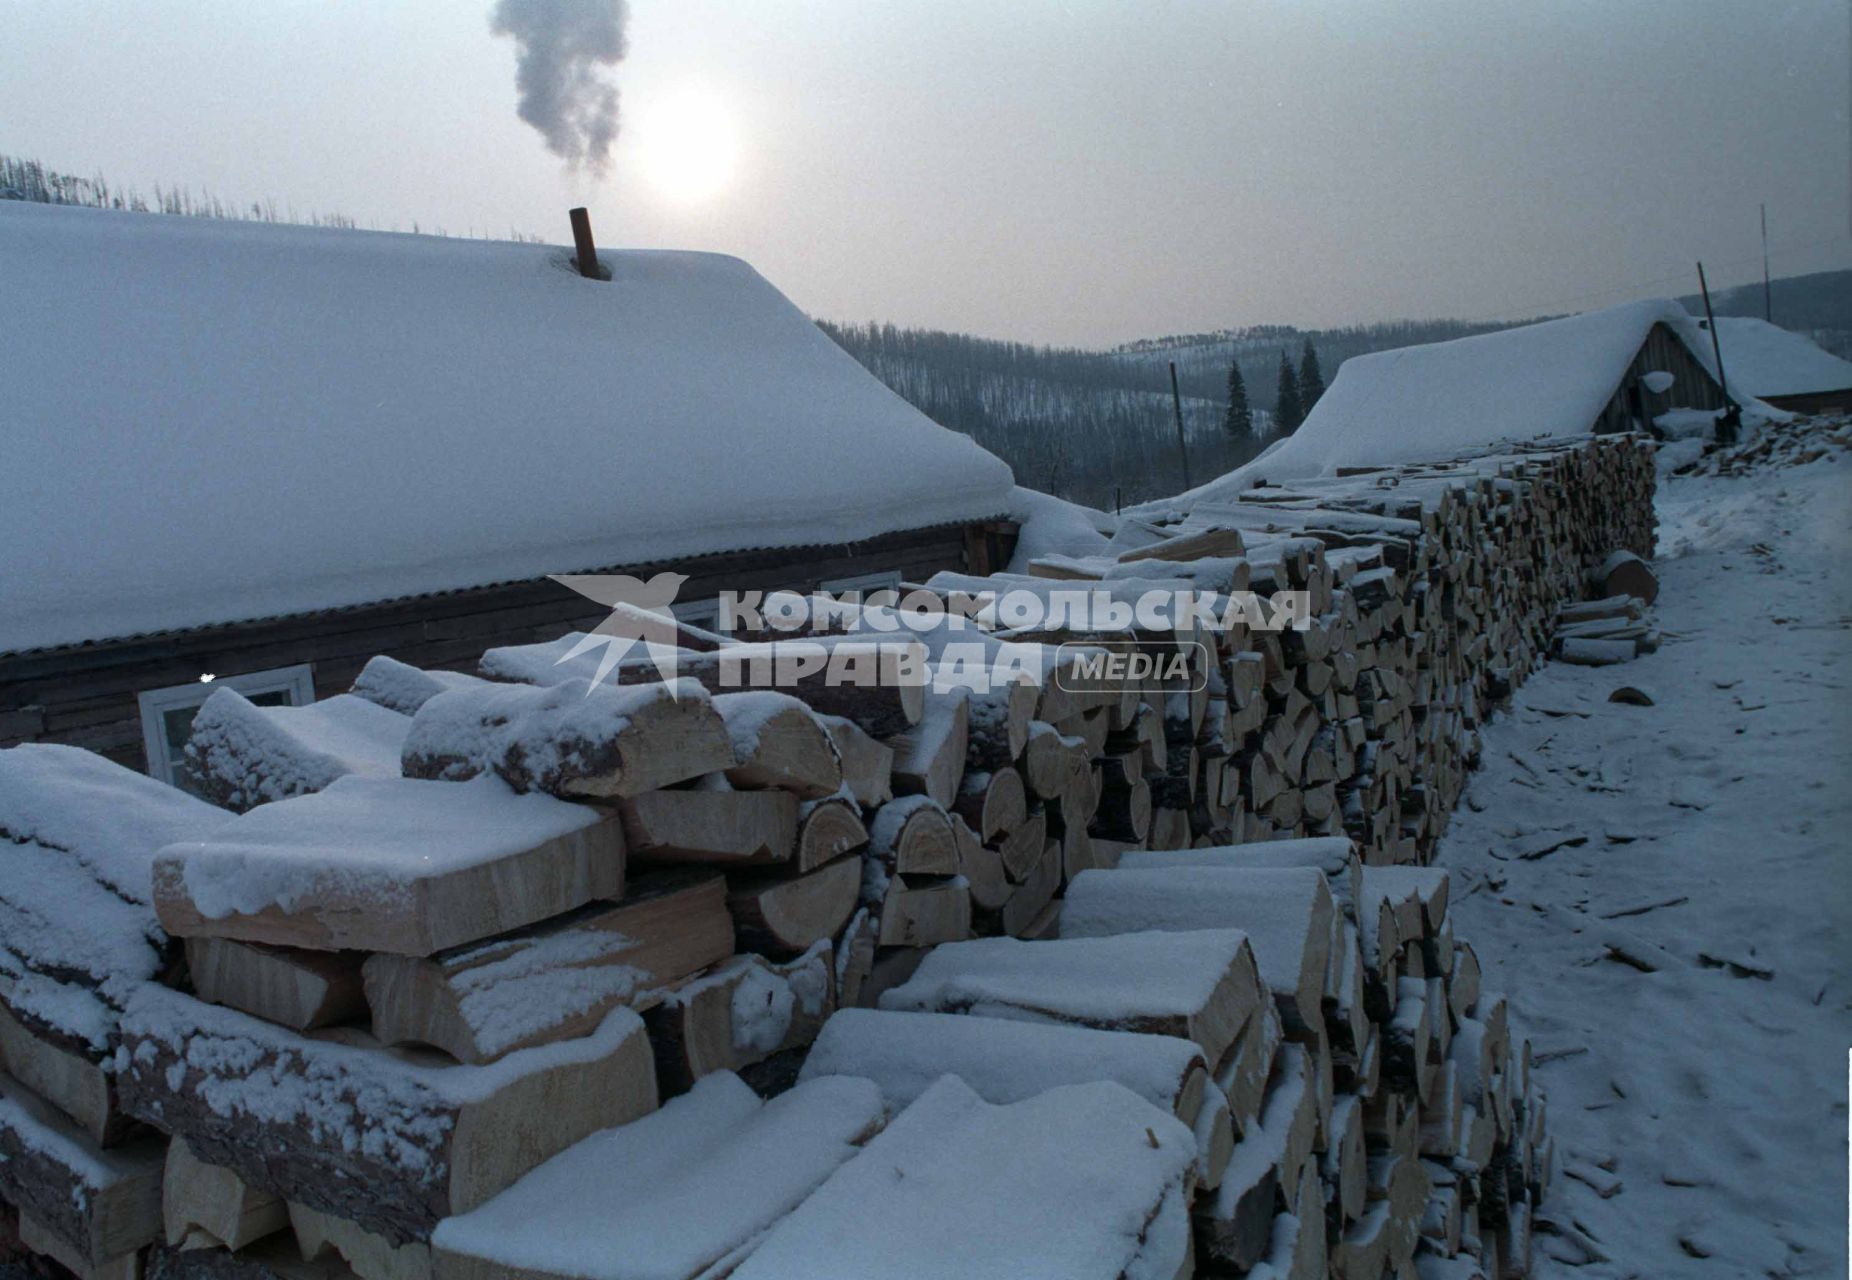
<point x="1063" y="172"/>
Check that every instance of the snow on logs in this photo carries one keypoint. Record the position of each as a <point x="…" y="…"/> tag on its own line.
<point x="433" y="1015"/>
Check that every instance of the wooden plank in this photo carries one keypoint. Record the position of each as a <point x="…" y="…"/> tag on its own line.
<point x="741" y="1013"/>
<point x="98" y="1204"/>
<point x="575" y="741"/>
<point x="391" y="1142"/>
<point x="390" y="864"/>
<point x="555" y="980"/>
<point x="786" y="915"/>
<point x="732" y="827"/>
<point x="298" y="989"/>
<point x="1202" y="986"/>
<point x="199" y="1197"/>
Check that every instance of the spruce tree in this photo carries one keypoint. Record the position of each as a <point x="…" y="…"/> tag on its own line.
<point x="1288" y="413"/>
<point x="1239" y="424"/>
<point x="1311" y="380"/>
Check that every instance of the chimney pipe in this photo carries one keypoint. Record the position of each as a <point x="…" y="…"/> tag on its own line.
<point x="582" y="241"/>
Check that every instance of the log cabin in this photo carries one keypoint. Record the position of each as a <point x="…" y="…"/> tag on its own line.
<point x="250" y="455"/>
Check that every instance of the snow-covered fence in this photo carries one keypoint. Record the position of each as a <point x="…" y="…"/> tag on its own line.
<point x="1176" y="942"/>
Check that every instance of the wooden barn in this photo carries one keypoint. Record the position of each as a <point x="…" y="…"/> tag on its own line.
<point x="1597" y="373"/>
<point x="1784" y="368"/>
<point x="254" y="456"/>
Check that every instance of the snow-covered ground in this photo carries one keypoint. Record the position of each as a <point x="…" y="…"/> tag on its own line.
<point x="1683" y="959"/>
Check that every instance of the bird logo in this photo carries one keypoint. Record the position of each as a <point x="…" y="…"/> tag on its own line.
<point x="640" y="614"/>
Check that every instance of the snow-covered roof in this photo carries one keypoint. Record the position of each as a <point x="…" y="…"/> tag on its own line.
<point x="1443" y="399"/>
<point x="212" y="421"/>
<point x="1765" y="360"/>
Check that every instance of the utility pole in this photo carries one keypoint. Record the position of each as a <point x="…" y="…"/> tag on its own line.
<point x="1176" y="403"/>
<point x="1727" y="422"/>
<point x="1768" y="303"/>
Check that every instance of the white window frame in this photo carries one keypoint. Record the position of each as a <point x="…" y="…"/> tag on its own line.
<point x="297" y="681"/>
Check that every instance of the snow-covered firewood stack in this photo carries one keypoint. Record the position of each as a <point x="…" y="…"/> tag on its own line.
<point x="465" y="934"/>
<point x="1433" y="592"/>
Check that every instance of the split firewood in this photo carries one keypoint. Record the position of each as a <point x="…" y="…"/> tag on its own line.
<point x="1597" y="653"/>
<point x="699" y="1181"/>
<point x="1004" y="1061"/>
<point x="240" y="755"/>
<point x="1244" y="1071"/>
<point x="826" y="831"/>
<point x="1195" y="546"/>
<point x="782" y="915"/>
<point x="196" y="1196"/>
<point x="1090" y="727"/>
<point x="703" y="825"/>
<point x="1616" y="607"/>
<point x="401" y="687"/>
<point x="929" y="758"/>
<point x="741" y="1013"/>
<point x="1021" y="849"/>
<point x="993" y="803"/>
<point x="879" y="684"/>
<point x="1202" y="985"/>
<point x="91" y="1209"/>
<point x="982" y="869"/>
<point x="978" y="1156"/>
<point x="78" y="839"/>
<point x="555" y="980"/>
<point x="1051" y="759"/>
<point x="999" y="724"/>
<point x="390" y="1142"/>
<point x="779" y="742"/>
<point x="390" y="864"/>
<point x="298" y="989"/>
<point x="1385" y="1236"/>
<point x="867" y="764"/>
<point x="1345" y="1161"/>
<point x="1463" y="984"/>
<point x="1407" y="1065"/>
<point x="1442" y="1219"/>
<point x="1440" y="1133"/>
<point x="575" y="740"/>
<point x="1035" y="896"/>
<point x="1286" y="914"/>
<point x="1234" y="1227"/>
<point x="924" y="911"/>
<point x="370" y="1255"/>
<point x="1418" y="896"/>
<point x="1296" y="1249"/>
<point x="912" y="835"/>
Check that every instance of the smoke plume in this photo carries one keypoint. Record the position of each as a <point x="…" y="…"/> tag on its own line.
<point x="562" y="50"/>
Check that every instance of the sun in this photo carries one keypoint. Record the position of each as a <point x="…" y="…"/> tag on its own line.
<point x="688" y="145"/>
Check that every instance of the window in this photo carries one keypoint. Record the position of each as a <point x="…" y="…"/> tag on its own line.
<point x="167" y="714"/>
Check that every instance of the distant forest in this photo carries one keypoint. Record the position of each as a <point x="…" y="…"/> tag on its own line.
<point x="1097" y="427"/>
<point x="31" y="181"/>
<point x="1100" y="427"/>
